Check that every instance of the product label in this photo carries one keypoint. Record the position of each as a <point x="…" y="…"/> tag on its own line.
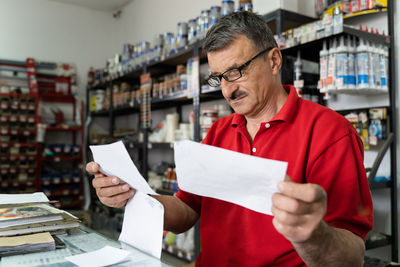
<point x="341" y="69"/>
<point x="323" y="72"/>
<point x="331" y="70"/>
<point x="362" y="68"/>
<point x="351" y="76"/>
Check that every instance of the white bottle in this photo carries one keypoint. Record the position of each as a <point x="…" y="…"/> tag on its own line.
<point x="332" y="66"/>
<point x="372" y="74"/>
<point x="341" y="65"/>
<point x="323" y="67"/>
<point x="362" y="65"/>
<point x="351" y="62"/>
<point x="383" y="67"/>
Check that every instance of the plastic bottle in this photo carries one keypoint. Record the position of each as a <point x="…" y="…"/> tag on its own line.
<point x="332" y="66"/>
<point x="323" y="67"/>
<point x="371" y="70"/>
<point x="341" y="65"/>
<point x="383" y="67"/>
<point x="351" y="73"/>
<point x="298" y="66"/>
<point x="362" y="65"/>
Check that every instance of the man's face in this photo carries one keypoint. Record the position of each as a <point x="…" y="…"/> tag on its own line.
<point x="249" y="94"/>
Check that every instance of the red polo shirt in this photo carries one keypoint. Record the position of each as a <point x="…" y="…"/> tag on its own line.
<point x="321" y="147"/>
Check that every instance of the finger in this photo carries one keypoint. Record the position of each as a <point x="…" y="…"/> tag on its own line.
<point x="305" y="192"/>
<point x="287" y="218"/>
<point x="291" y="205"/>
<point x="112" y="190"/>
<point x="105" y="181"/>
<point x="119" y="200"/>
<point x="92" y="167"/>
<point x="288" y="179"/>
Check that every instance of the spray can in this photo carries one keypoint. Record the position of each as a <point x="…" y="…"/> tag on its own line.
<point x="362" y="65"/>
<point x="323" y="67"/>
<point x="341" y="65"/>
<point x="332" y="66"/>
<point x="351" y="73"/>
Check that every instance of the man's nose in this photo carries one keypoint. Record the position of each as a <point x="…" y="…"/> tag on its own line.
<point x="228" y="87"/>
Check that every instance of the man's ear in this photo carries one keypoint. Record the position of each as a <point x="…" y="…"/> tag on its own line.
<point x="275" y="58"/>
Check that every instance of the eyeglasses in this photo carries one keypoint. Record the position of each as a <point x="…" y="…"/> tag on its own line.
<point x="232" y="74"/>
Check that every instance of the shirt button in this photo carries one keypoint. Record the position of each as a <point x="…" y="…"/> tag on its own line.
<point x="267" y="125"/>
<point x="254" y="150"/>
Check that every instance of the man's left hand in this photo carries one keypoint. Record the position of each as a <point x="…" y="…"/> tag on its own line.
<point x="298" y="210"/>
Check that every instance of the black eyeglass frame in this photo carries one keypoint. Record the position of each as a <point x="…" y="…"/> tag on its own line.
<point x="240" y="68"/>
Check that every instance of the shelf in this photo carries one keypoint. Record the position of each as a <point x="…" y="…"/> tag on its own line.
<point x="17" y="157"/>
<point x="61" y="181"/>
<point x="383" y="240"/>
<point x="171" y="100"/>
<point x="61" y="158"/>
<point x="363" y="91"/>
<point x="17" y="132"/>
<point x="16" y="95"/>
<point x="127" y="110"/>
<point x="179" y="253"/>
<point x="100" y="113"/>
<point x="57" y="98"/>
<point x="18" y="145"/>
<point x="63" y="128"/>
<point x="316" y="45"/>
<point x="17" y="183"/>
<point x="364" y="12"/>
<point x="380" y="185"/>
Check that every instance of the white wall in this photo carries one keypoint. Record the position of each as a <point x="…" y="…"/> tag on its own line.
<point x="51" y="31"/>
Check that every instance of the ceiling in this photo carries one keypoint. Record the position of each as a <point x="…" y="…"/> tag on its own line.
<point x="102" y="5"/>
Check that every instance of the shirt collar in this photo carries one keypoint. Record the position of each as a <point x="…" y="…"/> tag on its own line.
<point x="287" y="112"/>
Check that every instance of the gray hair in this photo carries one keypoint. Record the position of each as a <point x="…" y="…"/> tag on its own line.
<point x="227" y="29"/>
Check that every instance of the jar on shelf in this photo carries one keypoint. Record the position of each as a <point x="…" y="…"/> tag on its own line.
<point x="215" y="14"/>
<point x="192" y="29"/>
<point x="227" y="7"/>
<point x="182" y="34"/>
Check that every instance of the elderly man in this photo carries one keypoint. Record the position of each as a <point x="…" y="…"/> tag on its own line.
<point x="320" y="216"/>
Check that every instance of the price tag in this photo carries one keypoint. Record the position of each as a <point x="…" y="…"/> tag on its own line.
<point x="170" y="249"/>
<point x="57" y="159"/>
<point x="180" y="254"/>
<point x="13" y="118"/>
<point x="149" y="145"/>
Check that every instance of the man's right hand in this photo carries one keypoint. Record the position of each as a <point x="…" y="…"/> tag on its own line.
<point x="108" y="188"/>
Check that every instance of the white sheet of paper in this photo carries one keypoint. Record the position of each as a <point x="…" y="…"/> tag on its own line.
<point x="235" y="177"/>
<point x="143" y="224"/>
<point x="114" y="160"/>
<point x="102" y="257"/>
<point x="23" y="198"/>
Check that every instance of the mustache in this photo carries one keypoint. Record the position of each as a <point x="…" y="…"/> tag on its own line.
<point x="236" y="94"/>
